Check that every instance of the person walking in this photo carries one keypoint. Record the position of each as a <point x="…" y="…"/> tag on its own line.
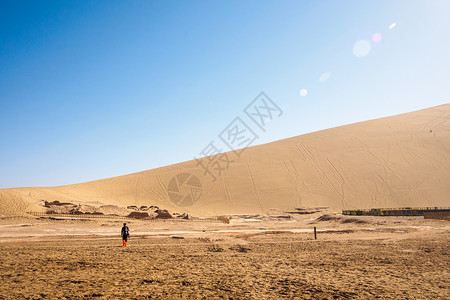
<point x="125" y="234"/>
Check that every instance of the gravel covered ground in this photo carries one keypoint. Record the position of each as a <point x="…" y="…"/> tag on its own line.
<point x="383" y="263"/>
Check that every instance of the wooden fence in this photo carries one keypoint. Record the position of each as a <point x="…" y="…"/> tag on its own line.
<point x="405" y="211"/>
<point x="440" y="215"/>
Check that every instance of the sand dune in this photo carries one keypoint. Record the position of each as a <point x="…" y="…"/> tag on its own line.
<point x="399" y="161"/>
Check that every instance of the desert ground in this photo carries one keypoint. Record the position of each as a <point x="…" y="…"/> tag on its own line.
<point x="275" y="195"/>
<point x="360" y="257"/>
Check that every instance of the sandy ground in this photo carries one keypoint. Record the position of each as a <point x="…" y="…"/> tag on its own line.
<point x="364" y="257"/>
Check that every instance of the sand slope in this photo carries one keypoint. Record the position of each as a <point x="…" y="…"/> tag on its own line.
<point x="399" y="161"/>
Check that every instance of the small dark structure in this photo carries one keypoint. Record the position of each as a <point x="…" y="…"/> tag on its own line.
<point x="163" y="214"/>
<point x="138" y="215"/>
<point x="56" y="203"/>
<point x="184" y="216"/>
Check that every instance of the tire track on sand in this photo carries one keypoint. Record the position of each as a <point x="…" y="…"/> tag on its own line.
<point x="254" y="188"/>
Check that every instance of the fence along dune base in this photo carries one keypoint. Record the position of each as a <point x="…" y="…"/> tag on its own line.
<point x="405" y="211"/>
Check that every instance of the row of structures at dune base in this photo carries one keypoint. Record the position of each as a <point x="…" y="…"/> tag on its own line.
<point x="426" y="212"/>
<point x="61" y="216"/>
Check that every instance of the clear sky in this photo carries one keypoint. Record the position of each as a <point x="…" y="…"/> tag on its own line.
<point x="95" y="89"/>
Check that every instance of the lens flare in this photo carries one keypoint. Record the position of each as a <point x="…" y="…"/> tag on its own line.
<point x="303" y="92"/>
<point x="325" y="76"/>
<point x="376" y="37"/>
<point x="392" y="25"/>
<point x="361" y="48"/>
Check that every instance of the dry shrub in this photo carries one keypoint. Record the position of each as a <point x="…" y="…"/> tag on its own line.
<point x="224" y="219"/>
<point x="204" y="239"/>
<point x="344" y="220"/>
<point x="352" y="220"/>
<point x="325" y="218"/>
<point x="215" y="248"/>
<point x="240" y="248"/>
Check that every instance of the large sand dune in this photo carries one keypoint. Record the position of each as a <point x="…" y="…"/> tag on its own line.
<point x="399" y="161"/>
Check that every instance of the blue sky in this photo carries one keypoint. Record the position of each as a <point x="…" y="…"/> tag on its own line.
<point x="91" y="90"/>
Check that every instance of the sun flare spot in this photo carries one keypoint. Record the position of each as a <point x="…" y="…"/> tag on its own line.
<point x="376" y="37"/>
<point x="325" y="76"/>
<point x="361" y="48"/>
